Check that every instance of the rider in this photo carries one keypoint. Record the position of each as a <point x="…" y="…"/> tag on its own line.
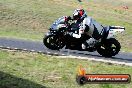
<point x="62" y="22"/>
<point x="88" y="26"/>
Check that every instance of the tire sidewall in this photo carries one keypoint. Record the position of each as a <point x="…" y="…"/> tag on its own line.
<point x="50" y="46"/>
<point x="106" y="52"/>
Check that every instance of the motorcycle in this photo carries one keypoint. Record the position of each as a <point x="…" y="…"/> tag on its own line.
<point x="57" y="38"/>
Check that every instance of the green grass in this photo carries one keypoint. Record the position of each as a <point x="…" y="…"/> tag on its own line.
<point x="30" y="19"/>
<point x="31" y="70"/>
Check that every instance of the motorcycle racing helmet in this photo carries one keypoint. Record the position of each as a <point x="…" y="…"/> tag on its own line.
<point x="79" y="14"/>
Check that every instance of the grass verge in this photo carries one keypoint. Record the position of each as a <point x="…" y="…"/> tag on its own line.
<point x="31" y="70"/>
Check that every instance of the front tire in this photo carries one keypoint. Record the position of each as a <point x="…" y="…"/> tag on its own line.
<point x="109" y="48"/>
<point x="53" y="42"/>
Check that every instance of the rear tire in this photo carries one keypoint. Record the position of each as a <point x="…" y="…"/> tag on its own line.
<point x="110" y="48"/>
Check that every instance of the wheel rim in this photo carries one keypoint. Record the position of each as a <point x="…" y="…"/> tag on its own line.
<point x="50" y="41"/>
<point x="54" y="42"/>
<point x="112" y="48"/>
<point x="109" y="49"/>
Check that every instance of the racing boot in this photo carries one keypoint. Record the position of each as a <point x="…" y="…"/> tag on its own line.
<point x="89" y="43"/>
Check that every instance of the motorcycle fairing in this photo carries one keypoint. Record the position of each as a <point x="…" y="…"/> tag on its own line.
<point x="114" y="30"/>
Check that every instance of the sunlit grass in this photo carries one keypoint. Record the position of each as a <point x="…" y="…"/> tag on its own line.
<point x="52" y="72"/>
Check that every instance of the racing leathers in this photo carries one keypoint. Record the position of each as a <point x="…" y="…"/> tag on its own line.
<point x="91" y="28"/>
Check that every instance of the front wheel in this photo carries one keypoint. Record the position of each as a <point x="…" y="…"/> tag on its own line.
<point x="109" y="48"/>
<point x="53" y="42"/>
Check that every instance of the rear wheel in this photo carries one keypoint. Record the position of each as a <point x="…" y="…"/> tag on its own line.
<point x="110" y="48"/>
<point x="53" y="42"/>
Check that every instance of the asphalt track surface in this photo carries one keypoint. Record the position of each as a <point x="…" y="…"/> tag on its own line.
<point x="122" y="58"/>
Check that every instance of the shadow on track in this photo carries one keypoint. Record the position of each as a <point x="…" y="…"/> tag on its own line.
<point x="10" y="81"/>
<point x="124" y="57"/>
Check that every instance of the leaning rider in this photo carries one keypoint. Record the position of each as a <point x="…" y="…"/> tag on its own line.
<point x="62" y="22"/>
<point x="88" y="26"/>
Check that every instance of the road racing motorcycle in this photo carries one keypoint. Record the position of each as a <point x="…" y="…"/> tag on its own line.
<point x="57" y="38"/>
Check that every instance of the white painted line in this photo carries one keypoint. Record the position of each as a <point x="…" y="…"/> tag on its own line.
<point x="25" y="49"/>
<point x="63" y="54"/>
<point x="39" y="51"/>
<point x="96" y="59"/>
<point x="48" y="52"/>
<point x="32" y="50"/>
<point x="1" y="46"/>
<point x="55" y="53"/>
<point x="8" y="47"/>
<point x="15" y="48"/>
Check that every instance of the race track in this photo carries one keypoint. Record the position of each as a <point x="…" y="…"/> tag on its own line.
<point x="35" y="46"/>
